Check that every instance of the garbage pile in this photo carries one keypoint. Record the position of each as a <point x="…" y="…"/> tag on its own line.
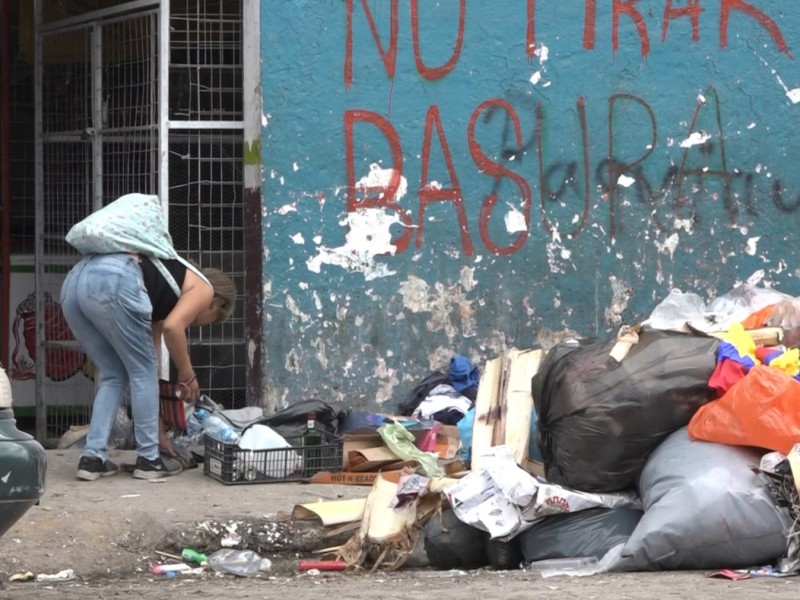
<point x="675" y="445"/>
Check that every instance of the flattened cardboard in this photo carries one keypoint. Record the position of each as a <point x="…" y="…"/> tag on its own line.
<point x="371" y="459"/>
<point x="336" y="512"/>
<point x="347" y="478"/>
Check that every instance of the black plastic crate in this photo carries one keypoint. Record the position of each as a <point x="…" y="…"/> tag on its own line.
<point x="232" y="465"/>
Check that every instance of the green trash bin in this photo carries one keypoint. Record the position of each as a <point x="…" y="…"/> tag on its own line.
<point x="23" y="464"/>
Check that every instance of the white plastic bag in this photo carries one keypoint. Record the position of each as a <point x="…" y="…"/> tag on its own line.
<point x="271" y="464"/>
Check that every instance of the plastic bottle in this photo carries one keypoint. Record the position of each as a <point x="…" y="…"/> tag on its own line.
<point x="219" y="429"/>
<point x="244" y="563"/>
<point x="312" y="440"/>
<point x="192" y="555"/>
<point x="572" y="567"/>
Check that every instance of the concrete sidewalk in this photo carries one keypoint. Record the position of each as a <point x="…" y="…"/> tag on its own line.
<point x="112" y="526"/>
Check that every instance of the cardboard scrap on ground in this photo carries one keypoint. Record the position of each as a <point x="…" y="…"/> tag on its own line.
<point x="504" y="500"/>
<point x="387" y="535"/>
<point x="336" y="512"/>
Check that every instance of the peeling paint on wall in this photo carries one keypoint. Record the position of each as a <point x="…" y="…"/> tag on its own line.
<point x="622" y="293"/>
<point x="523" y="210"/>
<point x="387" y="379"/>
<point x="369" y="233"/>
<point x="449" y="310"/>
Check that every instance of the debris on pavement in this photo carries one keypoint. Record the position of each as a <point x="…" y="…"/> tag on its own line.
<point x="674" y="444"/>
<point x="65" y="575"/>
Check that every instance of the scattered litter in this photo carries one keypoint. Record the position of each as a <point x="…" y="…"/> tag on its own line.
<point x="130" y="495"/>
<point x="728" y="574"/>
<point x="164" y="569"/>
<point x="321" y="565"/>
<point x="65" y="575"/>
<point x="22" y="576"/>
<point x="243" y="563"/>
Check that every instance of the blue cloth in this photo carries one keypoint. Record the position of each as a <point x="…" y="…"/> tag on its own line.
<point x="106" y="306"/>
<point x="463" y="374"/>
<point x="464" y="427"/>
<point x="728" y="351"/>
<point x="533" y="449"/>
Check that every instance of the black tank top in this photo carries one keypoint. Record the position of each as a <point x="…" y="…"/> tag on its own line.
<point x="160" y="292"/>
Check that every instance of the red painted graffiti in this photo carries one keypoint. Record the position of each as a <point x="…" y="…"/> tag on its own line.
<point x="766" y="22"/>
<point x="499" y="171"/>
<point x="691" y="10"/>
<point x="432" y="73"/>
<point x="376" y="196"/>
<point x="429" y="193"/>
<point x="703" y="165"/>
<point x="388" y="56"/>
<point x="628" y="7"/>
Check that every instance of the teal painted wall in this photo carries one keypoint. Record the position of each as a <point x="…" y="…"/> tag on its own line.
<point x="463" y="176"/>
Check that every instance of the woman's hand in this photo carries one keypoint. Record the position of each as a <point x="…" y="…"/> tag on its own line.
<point x="189" y="388"/>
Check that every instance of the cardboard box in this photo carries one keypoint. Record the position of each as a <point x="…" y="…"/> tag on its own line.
<point x="448" y="442"/>
<point x="346" y="478"/>
<point x="352" y="442"/>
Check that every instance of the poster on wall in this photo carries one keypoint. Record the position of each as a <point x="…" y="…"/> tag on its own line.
<point x="68" y="374"/>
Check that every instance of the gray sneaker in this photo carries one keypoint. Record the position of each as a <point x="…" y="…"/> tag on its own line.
<point x="163" y="466"/>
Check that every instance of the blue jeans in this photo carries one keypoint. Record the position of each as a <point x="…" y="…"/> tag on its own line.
<point x="107" y="308"/>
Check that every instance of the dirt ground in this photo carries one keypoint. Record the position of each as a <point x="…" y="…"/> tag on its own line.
<point x="106" y="532"/>
<point x="111" y="526"/>
<point x="422" y="585"/>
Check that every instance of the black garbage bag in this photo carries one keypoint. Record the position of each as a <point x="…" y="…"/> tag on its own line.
<point x="599" y="419"/>
<point x="591" y="532"/>
<point x="504" y="556"/>
<point x="291" y="422"/>
<point x="452" y="544"/>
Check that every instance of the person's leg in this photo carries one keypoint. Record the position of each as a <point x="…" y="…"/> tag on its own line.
<point x="117" y="301"/>
<point x="112" y="376"/>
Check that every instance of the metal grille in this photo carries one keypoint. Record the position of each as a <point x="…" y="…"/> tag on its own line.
<point x="66" y="197"/>
<point x="100" y="127"/>
<point x="99" y="141"/>
<point x="206" y="180"/>
<point x="22" y="158"/>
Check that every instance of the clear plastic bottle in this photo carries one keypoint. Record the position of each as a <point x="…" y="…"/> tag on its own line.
<point x="244" y="563"/>
<point x="219" y="429"/>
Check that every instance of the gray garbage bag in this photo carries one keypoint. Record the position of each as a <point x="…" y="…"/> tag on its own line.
<point x="705" y="508"/>
<point x="591" y="532"/>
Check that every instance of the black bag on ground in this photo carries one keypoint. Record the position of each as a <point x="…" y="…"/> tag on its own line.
<point x="591" y="532"/>
<point x="504" y="556"/>
<point x="291" y="422"/>
<point x="599" y="419"/>
<point x="452" y="544"/>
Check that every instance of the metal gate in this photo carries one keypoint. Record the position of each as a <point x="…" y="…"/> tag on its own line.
<point x="144" y="96"/>
<point x="97" y="132"/>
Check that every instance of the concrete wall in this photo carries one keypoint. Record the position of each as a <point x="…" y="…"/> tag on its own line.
<point x="462" y="176"/>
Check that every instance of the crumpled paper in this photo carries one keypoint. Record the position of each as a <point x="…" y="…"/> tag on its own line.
<point x="505" y="500"/>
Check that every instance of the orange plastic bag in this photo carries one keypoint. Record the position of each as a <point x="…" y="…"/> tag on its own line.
<point x="760" y="318"/>
<point x="762" y="409"/>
